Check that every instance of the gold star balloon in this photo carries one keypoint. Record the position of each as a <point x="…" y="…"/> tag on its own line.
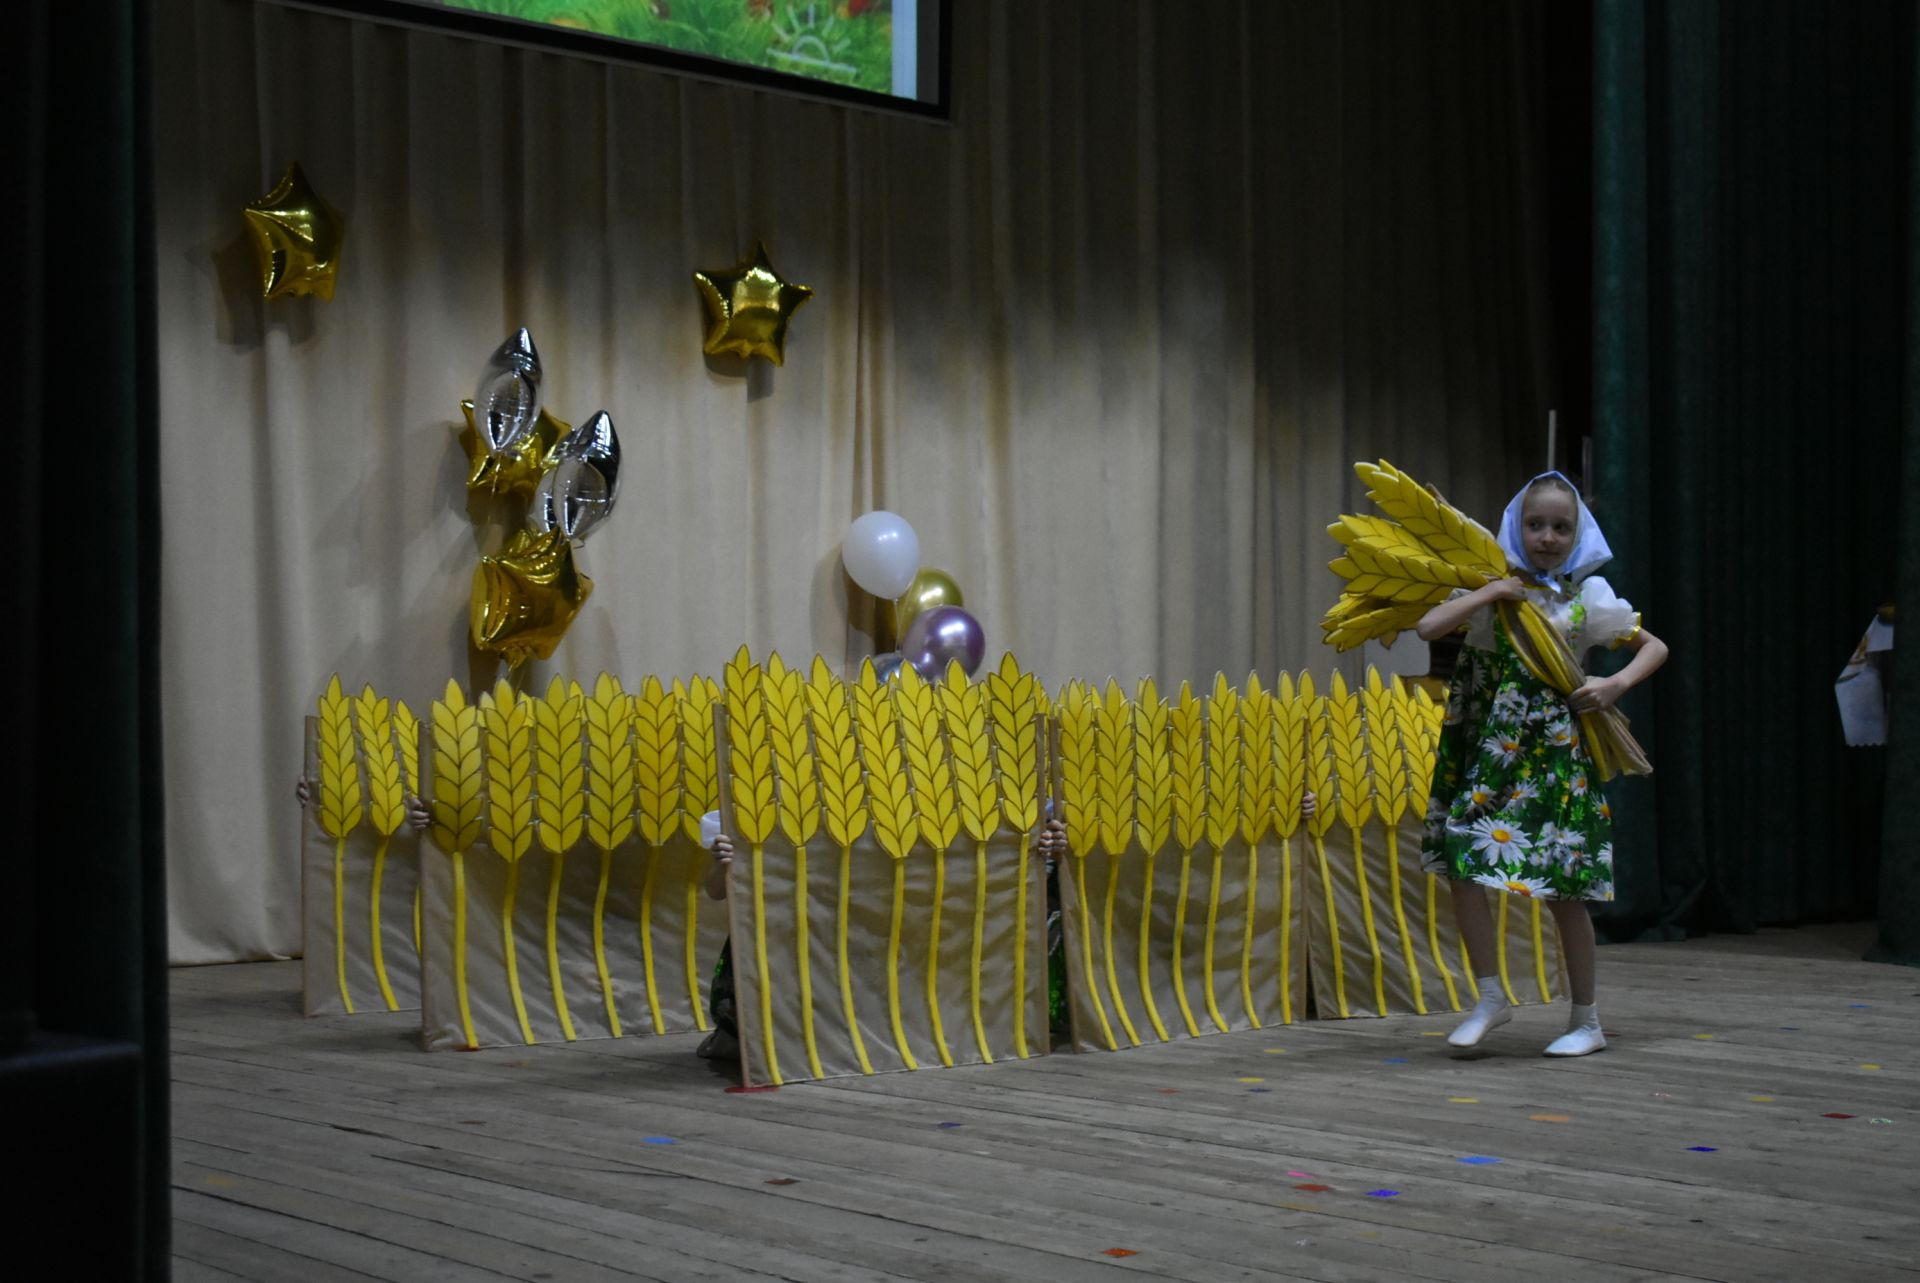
<point x="296" y="235"/>
<point x="748" y="306"/>
<point x="525" y="596"/>
<point x="518" y="469"/>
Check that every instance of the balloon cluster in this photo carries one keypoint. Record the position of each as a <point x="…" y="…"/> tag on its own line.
<point x="526" y="595"/>
<point x="882" y="555"/>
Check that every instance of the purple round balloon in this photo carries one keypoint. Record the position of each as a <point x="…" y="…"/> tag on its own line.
<point x="938" y="636"/>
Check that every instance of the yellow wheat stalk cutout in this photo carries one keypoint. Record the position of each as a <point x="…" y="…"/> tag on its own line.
<point x="1412" y="709"/>
<point x="693" y="704"/>
<point x="755" y="812"/>
<point x="458" y="785"/>
<point x="1319" y="771"/>
<point x="406" y="738"/>
<point x="1388" y="757"/>
<point x="1258" y="780"/>
<point x="1078" y="758"/>
<point x="1223" y="810"/>
<point x="508" y="725"/>
<point x="1347" y="736"/>
<point x="1115" y="803"/>
<point x="799" y="813"/>
<point x="1189" y="762"/>
<point x="935" y="807"/>
<point x="656" y="812"/>
<point x="560" y="805"/>
<point x="843" y="802"/>
<point x="1153" y="794"/>
<point x="340" y="809"/>
<point x="963" y="714"/>
<point x="1289" y="735"/>
<point x="386" y="810"/>
<point x="895" y="826"/>
<point x="609" y="808"/>
<point x="1012" y="699"/>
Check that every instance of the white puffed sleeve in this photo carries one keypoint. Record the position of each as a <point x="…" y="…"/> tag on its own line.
<point x="1611" y="619"/>
<point x="1479" y="627"/>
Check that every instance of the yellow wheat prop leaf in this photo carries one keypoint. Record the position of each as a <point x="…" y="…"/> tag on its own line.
<point x="793" y="767"/>
<point x="507" y="722"/>
<point x="889" y="799"/>
<point x="1347" y="738"/>
<point x="963" y="709"/>
<point x="843" y="790"/>
<point x="1289" y="757"/>
<point x="1446" y="533"/>
<point x="559" y="788"/>
<point x="1319" y="756"/>
<point x="386" y="791"/>
<point x="699" y="753"/>
<point x="656" y="762"/>
<point x="1152" y="767"/>
<point x="406" y="736"/>
<point x="749" y="750"/>
<point x="1115" y="799"/>
<point x="1386" y="750"/>
<point x="1079" y="768"/>
<point x="1188" y="754"/>
<point x="1371" y="619"/>
<point x="458" y="777"/>
<point x="932" y="775"/>
<point x="1258" y="772"/>
<point x="1379" y="533"/>
<point x="1013" y="700"/>
<point x="1223" y="762"/>
<point x="1401" y="576"/>
<point x="340" y="808"/>
<point x="609" y="764"/>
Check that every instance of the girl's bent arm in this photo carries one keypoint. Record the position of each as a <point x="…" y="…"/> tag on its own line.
<point x="1649" y="652"/>
<point x="1449" y="615"/>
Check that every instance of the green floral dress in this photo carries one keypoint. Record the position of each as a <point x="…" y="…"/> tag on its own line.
<point x="1516" y="804"/>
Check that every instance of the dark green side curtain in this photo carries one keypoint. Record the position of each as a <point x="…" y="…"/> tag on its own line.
<point x="83" y="1032"/>
<point x="1753" y="247"/>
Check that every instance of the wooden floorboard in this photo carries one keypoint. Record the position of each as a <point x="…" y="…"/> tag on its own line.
<point x="334" y="1149"/>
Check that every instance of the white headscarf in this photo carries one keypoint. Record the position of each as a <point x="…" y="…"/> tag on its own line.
<point x="1589" y="552"/>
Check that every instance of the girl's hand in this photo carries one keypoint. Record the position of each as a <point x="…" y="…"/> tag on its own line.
<point x="1595" y="694"/>
<point x="722" y="848"/>
<point x="1053" y="839"/>
<point x="1509" y="589"/>
<point x="419" y="815"/>
<point x="1308" y="805"/>
<point x="303" y="791"/>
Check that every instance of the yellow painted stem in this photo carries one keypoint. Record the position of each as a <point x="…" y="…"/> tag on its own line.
<point x="373" y="918"/>
<point x="692" y="958"/>
<point x="1400" y="917"/>
<point x="600" y="940"/>
<point x="1286" y="930"/>
<point x="1540" y="951"/>
<point x="1179" y="939"/>
<point x="1206" y="962"/>
<point x="460" y="947"/>
<point x="802" y="907"/>
<point x="1500" y="943"/>
<point x="979" y="930"/>
<point x="1113" y="976"/>
<point x="1020" y="956"/>
<point x="508" y="952"/>
<point x="893" y="964"/>
<point x="1333" y="928"/>
<point x="760" y="955"/>
<point x="1086" y="958"/>
<point x="419" y="944"/>
<point x="647" y="881"/>
<point x="1246" y="942"/>
<point x="340" y="918"/>
<point x="933" y="958"/>
<point x="846" y="972"/>
<point x="1366" y="917"/>
<point x="1433" y="940"/>
<point x="553" y="949"/>
<point x="1146" y="930"/>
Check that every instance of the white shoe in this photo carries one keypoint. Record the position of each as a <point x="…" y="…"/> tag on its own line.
<point x="1577" y="1042"/>
<point x="1487" y="1015"/>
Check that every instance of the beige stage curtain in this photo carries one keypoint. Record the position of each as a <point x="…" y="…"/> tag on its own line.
<point x="1110" y="340"/>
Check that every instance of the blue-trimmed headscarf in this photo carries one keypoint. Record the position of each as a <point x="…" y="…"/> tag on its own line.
<point x="1589" y="552"/>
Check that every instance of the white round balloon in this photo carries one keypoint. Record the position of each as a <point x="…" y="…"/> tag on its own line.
<point x="882" y="554"/>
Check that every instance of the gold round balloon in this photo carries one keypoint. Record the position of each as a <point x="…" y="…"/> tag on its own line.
<point x="525" y="597"/>
<point x="517" y="469"/>
<point x="748" y="306"/>
<point x="296" y="235"/>
<point x="929" y="588"/>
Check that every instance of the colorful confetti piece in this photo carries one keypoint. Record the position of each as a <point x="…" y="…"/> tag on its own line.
<point x="1394" y="1060"/>
<point x="1383" y="1193"/>
<point x="1305" y="1176"/>
<point x="1120" y="1251"/>
<point x="1663" y="1095"/>
<point x="1463" y="1100"/>
<point x="783" y="1180"/>
<point x="1703" y="1037"/>
<point x="1433" y="1033"/>
<point x="1703" y="1149"/>
<point x="1276" y="1051"/>
<point x="1884" y="1121"/>
<point x="1761" y="1100"/>
<point x="1789" y="1029"/>
<point x="1869" y="1065"/>
<point x="1168" y="1091"/>
<point x="947" y="1127"/>
<point x="743" y="1091"/>
<point x="1478" y="1160"/>
<point x="1312" y="1188"/>
<point x="1257" y="1090"/>
<point x="1859" y="1006"/>
<point x="1249" y="1080"/>
<point x="1551" y="1118"/>
<point x="1836" y="1115"/>
<point x="658" y="1140"/>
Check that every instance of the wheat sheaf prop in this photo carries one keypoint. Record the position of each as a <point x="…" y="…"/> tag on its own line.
<point x="1399" y="566"/>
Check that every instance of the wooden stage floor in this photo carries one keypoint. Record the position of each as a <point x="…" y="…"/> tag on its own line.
<point x="1703" y="1144"/>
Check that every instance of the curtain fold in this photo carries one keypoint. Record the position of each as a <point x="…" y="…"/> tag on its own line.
<point x="1111" y="341"/>
<point x="1750" y="285"/>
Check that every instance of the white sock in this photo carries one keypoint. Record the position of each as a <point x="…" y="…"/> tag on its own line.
<point x="1583" y="1036"/>
<point x="1490" y="1012"/>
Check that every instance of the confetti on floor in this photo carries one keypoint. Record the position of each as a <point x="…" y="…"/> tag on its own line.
<point x="658" y="1140"/>
<point x="1168" y="1091"/>
<point x="1432" y="1033"/>
<point x="1478" y="1160"/>
<point x="743" y="1091"/>
<point x="1257" y="1090"/>
<point x="1663" y="1095"/>
<point x="1887" y="1121"/>
<point x="1120" y="1251"/>
<point x="1869" y="1065"/>
<point x="947" y="1127"/>
<point x="1551" y="1118"/>
<point x="1703" y="1149"/>
<point x="1761" y="1100"/>
<point x="1276" y="1051"/>
<point x="1383" y="1193"/>
<point x="1836" y="1115"/>
<point x="1312" y="1188"/>
<point x="1703" y="1037"/>
<point x="1305" y="1176"/>
<point x="1859" y="1006"/>
<point x="783" y="1180"/>
<point x="1463" y="1100"/>
<point x="1394" y="1060"/>
<point x="1789" y="1029"/>
<point x="1249" y="1080"/>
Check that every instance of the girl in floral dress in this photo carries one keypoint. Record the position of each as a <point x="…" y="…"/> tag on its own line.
<point x="1516" y="803"/>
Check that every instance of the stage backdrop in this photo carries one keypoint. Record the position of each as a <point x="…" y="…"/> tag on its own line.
<point x="1111" y="341"/>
